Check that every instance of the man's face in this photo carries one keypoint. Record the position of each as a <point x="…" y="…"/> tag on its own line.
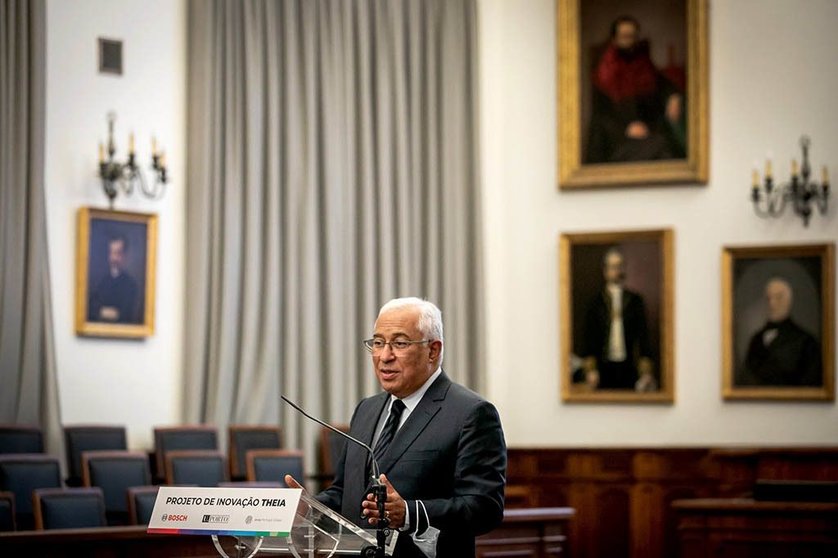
<point x="626" y="35"/>
<point x="402" y="373"/>
<point x="116" y="253"/>
<point x="614" y="272"/>
<point x="778" y="298"/>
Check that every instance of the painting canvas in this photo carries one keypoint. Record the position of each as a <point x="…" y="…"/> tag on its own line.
<point x="115" y="273"/>
<point x="616" y="295"/>
<point x="632" y="92"/>
<point x="778" y="322"/>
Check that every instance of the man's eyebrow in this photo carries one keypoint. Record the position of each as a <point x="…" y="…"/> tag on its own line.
<point x="397" y="334"/>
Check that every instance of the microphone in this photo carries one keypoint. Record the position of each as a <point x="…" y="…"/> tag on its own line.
<point x="380" y="489"/>
<point x="375" y="469"/>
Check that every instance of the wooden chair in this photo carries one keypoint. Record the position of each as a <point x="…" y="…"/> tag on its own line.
<point x="23" y="473"/>
<point x="68" y="508"/>
<point x="17" y="438"/>
<point x="196" y="467"/>
<point x="115" y="472"/>
<point x="176" y="438"/>
<point x="242" y="438"/>
<point x="85" y="437"/>
<point x="141" y="504"/>
<point x="7" y="511"/>
<point x="272" y="465"/>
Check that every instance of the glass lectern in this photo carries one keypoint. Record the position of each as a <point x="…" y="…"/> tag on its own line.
<point x="318" y="532"/>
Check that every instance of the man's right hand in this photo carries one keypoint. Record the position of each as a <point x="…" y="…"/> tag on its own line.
<point x="291" y="482"/>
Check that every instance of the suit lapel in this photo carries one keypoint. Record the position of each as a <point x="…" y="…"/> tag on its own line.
<point x="369" y="423"/>
<point x="427" y="408"/>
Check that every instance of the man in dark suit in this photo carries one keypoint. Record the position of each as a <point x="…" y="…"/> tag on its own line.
<point x="435" y="441"/>
<point x="781" y="353"/>
<point x="116" y="297"/>
<point x="616" y="345"/>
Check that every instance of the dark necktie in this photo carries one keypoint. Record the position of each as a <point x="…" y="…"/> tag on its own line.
<point x="389" y="430"/>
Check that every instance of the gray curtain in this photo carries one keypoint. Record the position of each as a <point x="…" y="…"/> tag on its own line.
<point x="332" y="166"/>
<point x="28" y="393"/>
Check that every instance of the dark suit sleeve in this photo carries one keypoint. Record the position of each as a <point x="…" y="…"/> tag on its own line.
<point x="480" y="475"/>
<point x="333" y="496"/>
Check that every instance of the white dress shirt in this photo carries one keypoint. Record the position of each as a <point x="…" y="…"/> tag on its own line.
<point x="616" y="339"/>
<point x="410" y="403"/>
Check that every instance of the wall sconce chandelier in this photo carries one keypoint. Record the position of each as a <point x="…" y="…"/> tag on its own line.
<point x="126" y="177"/>
<point x="800" y="192"/>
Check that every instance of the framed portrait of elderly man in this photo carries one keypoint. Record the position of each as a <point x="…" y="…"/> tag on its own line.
<point x="616" y="296"/>
<point x="115" y="270"/>
<point x="778" y="322"/>
<point x="632" y="92"/>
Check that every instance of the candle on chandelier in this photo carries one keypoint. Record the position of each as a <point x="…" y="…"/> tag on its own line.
<point x="794" y="167"/>
<point x="825" y="175"/>
<point x="131" y="143"/>
<point x="153" y="146"/>
<point x="755" y="179"/>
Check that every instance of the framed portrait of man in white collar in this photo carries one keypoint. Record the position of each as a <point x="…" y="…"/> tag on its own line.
<point x="616" y="308"/>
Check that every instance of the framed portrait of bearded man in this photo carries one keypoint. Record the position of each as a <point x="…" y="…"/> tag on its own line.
<point x="632" y="92"/>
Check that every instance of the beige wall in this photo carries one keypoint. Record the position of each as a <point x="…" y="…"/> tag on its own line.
<point x="772" y="77"/>
<point x="136" y="383"/>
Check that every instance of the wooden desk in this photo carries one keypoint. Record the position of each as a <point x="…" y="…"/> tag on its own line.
<point x="536" y="533"/>
<point x="744" y="528"/>
<point x="104" y="542"/>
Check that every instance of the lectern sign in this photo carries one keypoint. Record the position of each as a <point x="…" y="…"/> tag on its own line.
<point x="254" y="512"/>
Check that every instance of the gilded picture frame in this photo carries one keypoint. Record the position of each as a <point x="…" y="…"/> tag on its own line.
<point x="592" y="153"/>
<point x="598" y="273"/>
<point x="778" y="322"/>
<point x="116" y="255"/>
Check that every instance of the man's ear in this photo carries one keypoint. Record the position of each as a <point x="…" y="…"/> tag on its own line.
<point x="436" y="349"/>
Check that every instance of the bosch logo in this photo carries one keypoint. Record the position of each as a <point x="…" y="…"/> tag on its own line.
<point x="175" y="517"/>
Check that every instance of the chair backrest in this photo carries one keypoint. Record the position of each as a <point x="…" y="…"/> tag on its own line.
<point x="175" y="438"/>
<point x="331" y="446"/>
<point x="197" y="467"/>
<point x="115" y="472"/>
<point x="69" y="508"/>
<point x="242" y="438"/>
<point x="141" y="504"/>
<point x="273" y="465"/>
<point x="23" y="473"/>
<point x="81" y="438"/>
<point x="15" y="438"/>
<point x="7" y="511"/>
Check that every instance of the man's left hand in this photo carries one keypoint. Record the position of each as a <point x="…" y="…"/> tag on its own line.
<point x="395" y="507"/>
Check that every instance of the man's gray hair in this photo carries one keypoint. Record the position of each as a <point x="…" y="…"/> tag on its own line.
<point x="430" y="317"/>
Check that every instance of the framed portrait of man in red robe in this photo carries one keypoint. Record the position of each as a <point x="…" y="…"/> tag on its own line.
<point x="632" y="92"/>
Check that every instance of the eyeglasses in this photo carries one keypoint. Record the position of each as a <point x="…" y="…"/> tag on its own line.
<point x="376" y="344"/>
